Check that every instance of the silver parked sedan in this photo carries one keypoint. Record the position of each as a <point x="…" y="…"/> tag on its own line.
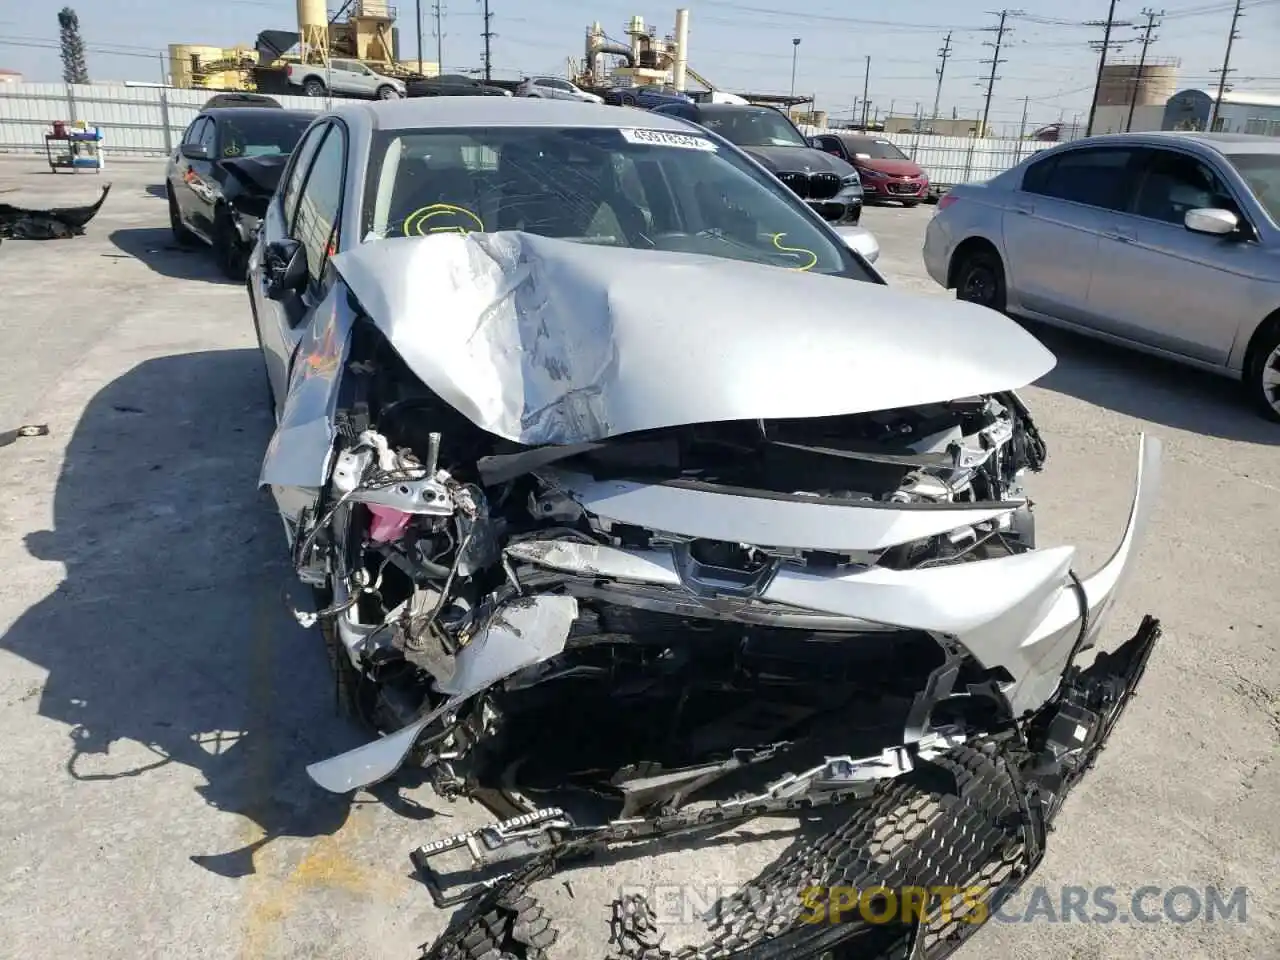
<point x="1165" y="242"/>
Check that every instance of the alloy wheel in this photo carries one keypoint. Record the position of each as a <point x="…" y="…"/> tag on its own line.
<point x="1270" y="380"/>
<point x="979" y="286"/>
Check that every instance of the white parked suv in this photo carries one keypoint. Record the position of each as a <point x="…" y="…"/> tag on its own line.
<point x="345" y="78"/>
<point x="553" y="88"/>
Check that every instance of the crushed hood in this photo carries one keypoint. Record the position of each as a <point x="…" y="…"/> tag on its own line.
<point x="545" y="341"/>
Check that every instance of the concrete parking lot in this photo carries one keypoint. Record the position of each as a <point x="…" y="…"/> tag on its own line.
<point x="158" y="704"/>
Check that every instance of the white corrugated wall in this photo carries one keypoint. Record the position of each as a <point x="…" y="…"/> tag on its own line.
<point x="134" y="122"/>
<point x="133" y="119"/>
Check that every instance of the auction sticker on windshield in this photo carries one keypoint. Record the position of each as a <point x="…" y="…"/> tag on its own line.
<point x="664" y="138"/>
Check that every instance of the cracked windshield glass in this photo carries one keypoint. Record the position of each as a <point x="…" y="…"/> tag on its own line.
<point x="639" y="188"/>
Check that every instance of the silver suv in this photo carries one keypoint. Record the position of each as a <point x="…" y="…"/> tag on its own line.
<point x="344" y="78"/>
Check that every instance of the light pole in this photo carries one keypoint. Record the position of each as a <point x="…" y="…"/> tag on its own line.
<point x="795" y="49"/>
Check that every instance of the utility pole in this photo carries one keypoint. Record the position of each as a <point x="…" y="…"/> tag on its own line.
<point x="418" y="21"/>
<point x="488" y="35"/>
<point x="943" y="56"/>
<point x="1147" y="40"/>
<point x="1102" y="58"/>
<point x="1022" y="130"/>
<point x="866" y="87"/>
<point x="995" y="61"/>
<point x="1226" y="67"/>
<point x="436" y="9"/>
<point x="795" y="51"/>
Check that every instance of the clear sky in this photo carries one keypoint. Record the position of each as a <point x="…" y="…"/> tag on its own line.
<point x="738" y="46"/>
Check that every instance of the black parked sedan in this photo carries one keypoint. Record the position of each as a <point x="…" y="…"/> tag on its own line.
<point x="828" y="184"/>
<point x="224" y="171"/>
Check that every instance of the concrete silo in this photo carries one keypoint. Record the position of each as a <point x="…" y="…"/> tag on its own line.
<point x="313" y="30"/>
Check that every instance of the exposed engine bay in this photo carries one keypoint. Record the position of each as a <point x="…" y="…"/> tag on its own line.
<point x="437" y="527"/>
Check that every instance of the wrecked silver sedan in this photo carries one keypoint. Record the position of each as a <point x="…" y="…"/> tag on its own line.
<point x="618" y="475"/>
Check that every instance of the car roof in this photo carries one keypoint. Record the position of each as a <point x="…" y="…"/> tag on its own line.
<point x="217" y="112"/>
<point x="427" y="112"/>
<point x="736" y="108"/>
<point x="1221" y="143"/>
<point x="242" y="98"/>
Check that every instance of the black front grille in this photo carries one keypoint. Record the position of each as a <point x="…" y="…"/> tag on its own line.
<point x="812" y="186"/>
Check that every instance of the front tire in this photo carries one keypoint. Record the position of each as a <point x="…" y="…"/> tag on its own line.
<point x="388" y="92"/>
<point x="1262" y="374"/>
<point x="227" y="247"/>
<point x="980" y="280"/>
<point x="313" y="87"/>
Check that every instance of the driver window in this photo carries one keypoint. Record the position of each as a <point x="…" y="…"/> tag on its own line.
<point x="1174" y="183"/>
<point x="320" y="203"/>
<point x="300" y="163"/>
<point x="829" y="145"/>
<point x="209" y="137"/>
<point x="193" y="132"/>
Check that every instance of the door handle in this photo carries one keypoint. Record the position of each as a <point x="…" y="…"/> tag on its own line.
<point x="1023" y="208"/>
<point x="1119" y="234"/>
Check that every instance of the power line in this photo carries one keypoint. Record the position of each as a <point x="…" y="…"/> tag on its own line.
<point x="1232" y="36"/>
<point x="995" y="60"/>
<point x="943" y="54"/>
<point x="1147" y="40"/>
<point x="1102" y="57"/>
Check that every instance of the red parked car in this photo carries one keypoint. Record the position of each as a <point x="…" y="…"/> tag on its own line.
<point x="887" y="173"/>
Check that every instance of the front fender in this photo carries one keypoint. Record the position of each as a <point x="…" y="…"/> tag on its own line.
<point x="300" y="454"/>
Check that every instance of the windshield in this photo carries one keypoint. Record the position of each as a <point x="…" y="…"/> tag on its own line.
<point x="753" y="128"/>
<point x="645" y="189"/>
<point x="876" y="149"/>
<point x="265" y="134"/>
<point x="1261" y="171"/>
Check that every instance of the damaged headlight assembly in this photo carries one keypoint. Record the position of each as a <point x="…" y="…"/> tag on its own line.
<point x="581" y="567"/>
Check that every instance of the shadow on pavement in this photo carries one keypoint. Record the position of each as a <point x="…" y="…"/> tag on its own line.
<point x="1150" y="388"/>
<point x="156" y="190"/>
<point x="169" y="629"/>
<point x="156" y="247"/>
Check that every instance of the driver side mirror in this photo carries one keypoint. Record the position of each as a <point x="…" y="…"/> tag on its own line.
<point x="195" y="151"/>
<point x="284" y="268"/>
<point x="1211" y="220"/>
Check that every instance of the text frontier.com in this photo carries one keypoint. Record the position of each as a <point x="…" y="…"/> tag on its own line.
<point x="690" y="903"/>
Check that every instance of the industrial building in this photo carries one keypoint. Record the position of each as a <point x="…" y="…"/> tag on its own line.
<point x="1132" y="94"/>
<point x="646" y="57"/>
<point x="1239" y="111"/>
<point x="938" y="126"/>
<point x="360" y="29"/>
